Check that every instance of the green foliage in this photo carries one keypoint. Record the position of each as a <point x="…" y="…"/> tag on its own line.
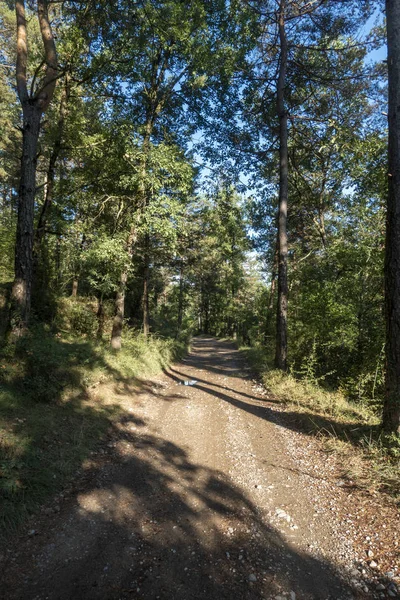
<point x="103" y="262"/>
<point x="49" y="419"/>
<point x="77" y="316"/>
<point x="7" y="243"/>
<point x="337" y="299"/>
<point x="150" y="353"/>
<point x="367" y="456"/>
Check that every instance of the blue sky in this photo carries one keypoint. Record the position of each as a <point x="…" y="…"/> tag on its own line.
<point x="376" y="55"/>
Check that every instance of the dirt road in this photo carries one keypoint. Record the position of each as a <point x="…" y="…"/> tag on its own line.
<point x="194" y="497"/>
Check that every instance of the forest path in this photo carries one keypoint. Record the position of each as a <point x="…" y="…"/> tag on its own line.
<point x="195" y="496"/>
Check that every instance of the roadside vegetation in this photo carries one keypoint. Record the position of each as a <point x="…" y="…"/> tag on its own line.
<point x="58" y="398"/>
<point x="351" y="428"/>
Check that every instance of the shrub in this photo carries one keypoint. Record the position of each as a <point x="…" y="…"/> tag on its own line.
<point x="77" y="316"/>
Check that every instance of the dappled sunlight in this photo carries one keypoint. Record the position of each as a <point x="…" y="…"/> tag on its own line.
<point x="154" y="517"/>
<point x="116" y="504"/>
<point x="156" y="521"/>
<point x="329" y="426"/>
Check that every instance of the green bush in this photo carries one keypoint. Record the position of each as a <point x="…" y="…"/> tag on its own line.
<point x="46" y="366"/>
<point x="77" y="316"/>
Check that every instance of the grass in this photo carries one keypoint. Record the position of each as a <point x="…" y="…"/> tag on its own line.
<point x="50" y="417"/>
<point x="352" y="430"/>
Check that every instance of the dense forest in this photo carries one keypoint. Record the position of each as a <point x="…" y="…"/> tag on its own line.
<point x="170" y="167"/>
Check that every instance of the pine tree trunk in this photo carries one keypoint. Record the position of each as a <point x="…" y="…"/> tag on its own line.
<point x="270" y="308"/>
<point x="391" y="411"/>
<point x="281" y="321"/>
<point x="180" y="302"/>
<point x="206" y="318"/>
<point x="74" y="290"/>
<point x="146" y="275"/>
<point x="34" y="104"/>
<point x="22" y="287"/>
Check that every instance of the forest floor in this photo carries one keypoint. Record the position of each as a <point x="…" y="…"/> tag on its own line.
<point x="206" y="491"/>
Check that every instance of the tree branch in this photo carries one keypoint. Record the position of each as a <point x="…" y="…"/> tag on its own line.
<point x="22" y="52"/>
<point x="45" y="95"/>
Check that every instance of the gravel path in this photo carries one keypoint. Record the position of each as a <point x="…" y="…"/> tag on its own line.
<point x="200" y="492"/>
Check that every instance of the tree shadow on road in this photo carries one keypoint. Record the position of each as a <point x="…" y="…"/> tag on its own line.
<point x="306" y="421"/>
<point x="150" y="523"/>
<point x="222" y="359"/>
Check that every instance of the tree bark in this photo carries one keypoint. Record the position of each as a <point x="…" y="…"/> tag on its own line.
<point x="146" y="276"/>
<point x="50" y="176"/>
<point x="180" y="302"/>
<point x="74" y="291"/>
<point x="281" y="321"/>
<point x="391" y="410"/>
<point x="270" y="308"/>
<point x="33" y="107"/>
<point x="321" y="226"/>
<point x="101" y="317"/>
<point x="144" y="202"/>
<point x="118" y="321"/>
<point x="21" y="292"/>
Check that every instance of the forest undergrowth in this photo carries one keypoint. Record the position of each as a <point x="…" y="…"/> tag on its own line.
<point x="52" y="412"/>
<point x="368" y="458"/>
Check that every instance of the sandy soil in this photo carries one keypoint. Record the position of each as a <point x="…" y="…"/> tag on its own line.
<point x="200" y="492"/>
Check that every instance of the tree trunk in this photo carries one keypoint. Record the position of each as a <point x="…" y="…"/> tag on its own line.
<point x="270" y="310"/>
<point x="180" y="302"/>
<point x="281" y="321"/>
<point x="391" y="410"/>
<point x="144" y="201"/>
<point x="77" y="269"/>
<point x="50" y="176"/>
<point x="33" y="105"/>
<point x="74" y="291"/>
<point x="206" y="317"/>
<point x="100" y="319"/>
<point x="22" y="287"/>
<point x="118" y="322"/>
<point x="321" y="226"/>
<point x="146" y="276"/>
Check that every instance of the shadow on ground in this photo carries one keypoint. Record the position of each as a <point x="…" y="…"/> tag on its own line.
<point x="230" y="362"/>
<point x="146" y="522"/>
<point x="152" y="524"/>
<point x="50" y="416"/>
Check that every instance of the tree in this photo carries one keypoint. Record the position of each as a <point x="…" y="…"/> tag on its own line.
<point x="391" y="412"/>
<point x="164" y="58"/>
<point x="296" y="52"/>
<point x="9" y="144"/>
<point x="282" y="245"/>
<point x="34" y="103"/>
